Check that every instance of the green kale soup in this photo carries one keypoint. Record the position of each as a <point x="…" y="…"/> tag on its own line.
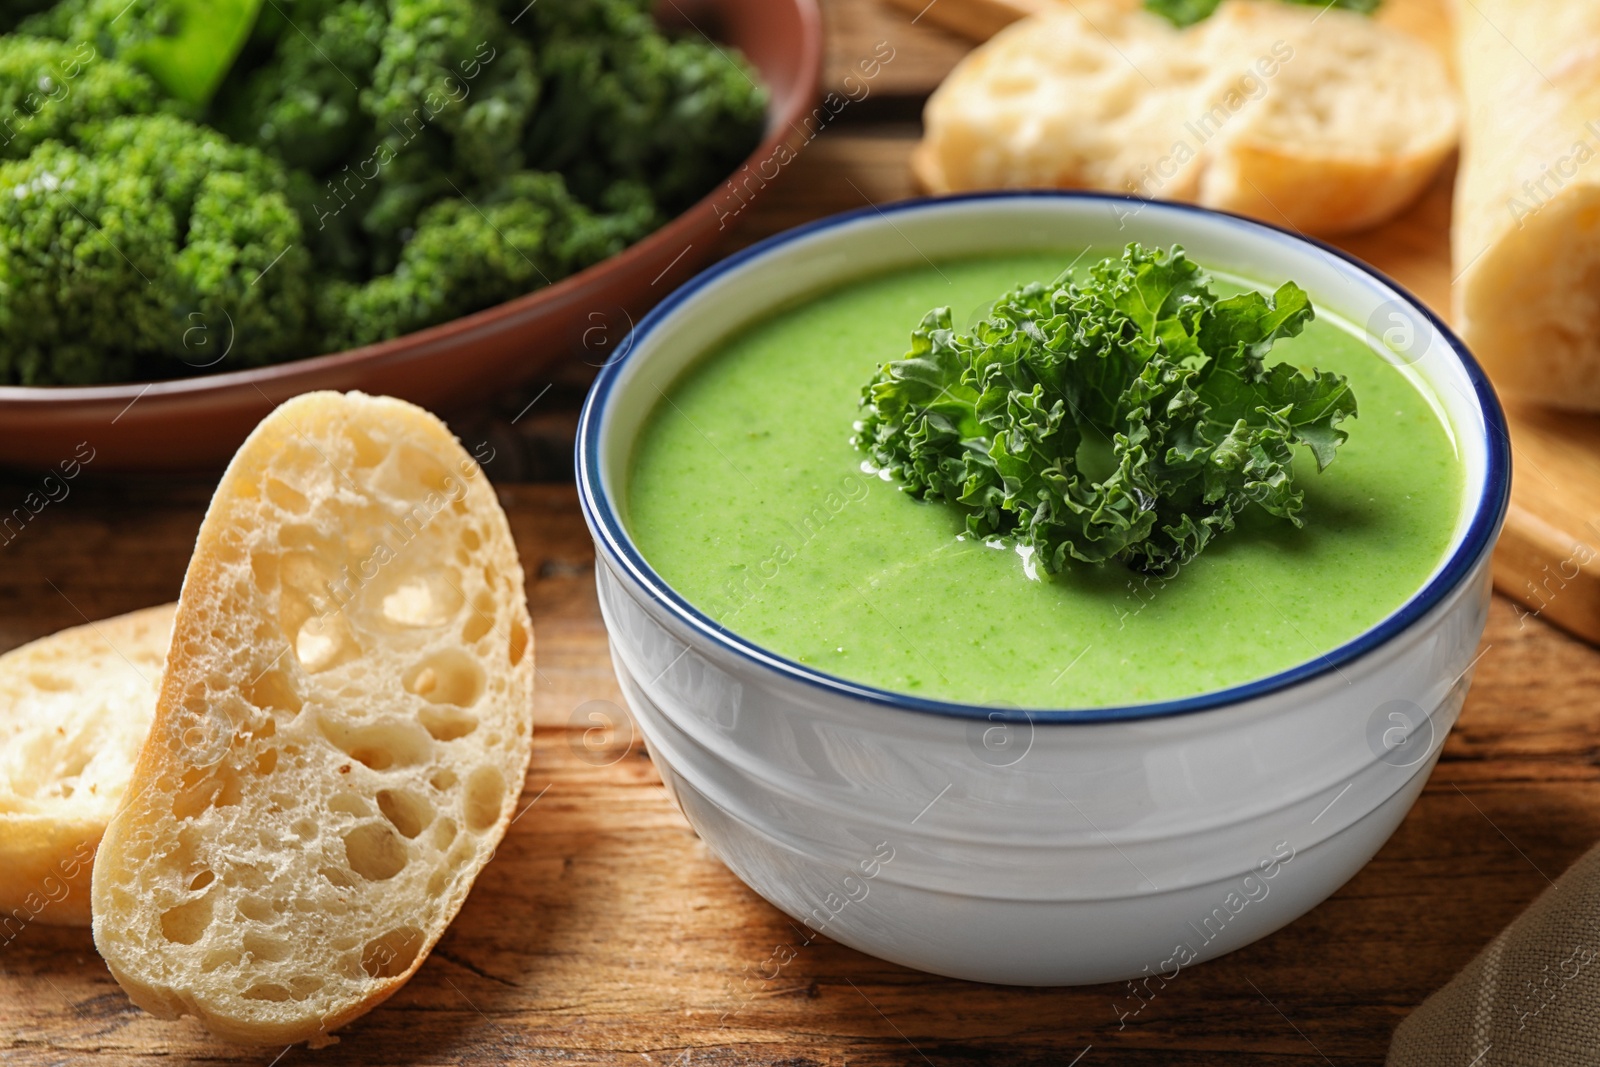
<point x="749" y="496"/>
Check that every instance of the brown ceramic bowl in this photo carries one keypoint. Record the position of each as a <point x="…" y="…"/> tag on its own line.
<point x="198" y="422"/>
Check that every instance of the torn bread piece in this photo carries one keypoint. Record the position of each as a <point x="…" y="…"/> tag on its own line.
<point x="342" y="731"/>
<point x="74" y="710"/>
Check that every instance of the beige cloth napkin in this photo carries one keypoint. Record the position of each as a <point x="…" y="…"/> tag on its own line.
<point x="1530" y="999"/>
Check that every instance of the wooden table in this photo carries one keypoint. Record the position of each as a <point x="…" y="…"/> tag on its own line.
<point x="606" y="933"/>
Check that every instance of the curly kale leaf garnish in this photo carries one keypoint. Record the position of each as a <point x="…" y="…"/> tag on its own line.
<point x="1131" y="417"/>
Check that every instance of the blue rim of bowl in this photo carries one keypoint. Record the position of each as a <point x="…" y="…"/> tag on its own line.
<point x="614" y="540"/>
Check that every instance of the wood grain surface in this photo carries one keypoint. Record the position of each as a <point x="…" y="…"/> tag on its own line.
<point x="606" y="933"/>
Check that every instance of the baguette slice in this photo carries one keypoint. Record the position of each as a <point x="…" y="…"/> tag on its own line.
<point x="341" y="735"/>
<point x="74" y="709"/>
<point x="1087" y="95"/>
<point x="1318" y="119"/>
<point x="1351" y="128"/>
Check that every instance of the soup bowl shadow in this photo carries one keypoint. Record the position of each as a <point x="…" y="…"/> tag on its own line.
<point x="1039" y="846"/>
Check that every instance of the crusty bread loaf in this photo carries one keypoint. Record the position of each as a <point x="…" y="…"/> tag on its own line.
<point x="342" y="731"/>
<point x="74" y="709"/>
<point x="1317" y="119"/>
<point x="1527" y="212"/>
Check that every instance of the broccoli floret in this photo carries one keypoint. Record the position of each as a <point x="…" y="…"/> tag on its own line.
<point x="49" y="88"/>
<point x="451" y="65"/>
<point x="81" y="247"/>
<point x="111" y="26"/>
<point x="187" y="46"/>
<point x="303" y="105"/>
<point x="677" y="115"/>
<point x="713" y="119"/>
<point x="468" y="255"/>
<point x="392" y="164"/>
<point x="110" y="263"/>
<point x="245" y="269"/>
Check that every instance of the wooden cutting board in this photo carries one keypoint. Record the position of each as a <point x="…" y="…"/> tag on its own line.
<point x="1549" y="556"/>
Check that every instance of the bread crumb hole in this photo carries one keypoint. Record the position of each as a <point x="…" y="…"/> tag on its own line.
<point x="349" y="804"/>
<point x="307" y="569"/>
<point x="392" y="954"/>
<point x="50" y="683"/>
<point x="368" y="452"/>
<point x="266" y="948"/>
<point x="286" y="496"/>
<point x="258" y="909"/>
<point x="264" y="569"/>
<point x="374" y="852"/>
<point x="447" y="724"/>
<point x="379" y="759"/>
<point x="270" y="991"/>
<point x="337" y="878"/>
<point x="442" y="780"/>
<point x="313" y="547"/>
<point x="187" y="923"/>
<point x="220" y="790"/>
<point x="485" y="796"/>
<point x="423" y="601"/>
<point x="324" y="642"/>
<point x="481" y="621"/>
<point x="267" y="762"/>
<point x="444" y="832"/>
<point x="304" y="829"/>
<point x="408" y="814"/>
<point x="470" y="538"/>
<point x="201" y="880"/>
<point x="273" y="691"/>
<point x="419" y="466"/>
<point x="447" y="677"/>
<point x="219" y="957"/>
<point x="519" y="643"/>
<point x="410" y="605"/>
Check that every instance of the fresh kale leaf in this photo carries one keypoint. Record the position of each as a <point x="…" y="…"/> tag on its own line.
<point x="1131" y="417"/>
<point x="1188" y="12"/>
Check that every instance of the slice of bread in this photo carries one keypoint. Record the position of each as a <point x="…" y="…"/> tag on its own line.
<point x="1317" y="119"/>
<point x="1350" y="129"/>
<point x="1089" y="95"/>
<point x="74" y="710"/>
<point x="341" y="735"/>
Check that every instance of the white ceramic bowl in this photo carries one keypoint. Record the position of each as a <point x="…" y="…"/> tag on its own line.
<point x="1043" y="847"/>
